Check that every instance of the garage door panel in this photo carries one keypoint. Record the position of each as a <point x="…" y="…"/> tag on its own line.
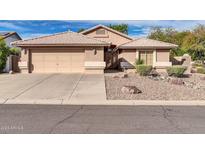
<point x="58" y="61"/>
<point x="77" y="64"/>
<point x="50" y="62"/>
<point x="64" y="61"/>
<point x="38" y="60"/>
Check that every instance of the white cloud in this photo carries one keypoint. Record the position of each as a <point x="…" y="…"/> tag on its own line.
<point x="178" y="24"/>
<point x="12" y="26"/>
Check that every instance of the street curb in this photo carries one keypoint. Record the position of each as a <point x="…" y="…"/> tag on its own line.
<point x="2" y="101"/>
<point x="39" y="101"/>
<point x="107" y="102"/>
<point x="142" y="102"/>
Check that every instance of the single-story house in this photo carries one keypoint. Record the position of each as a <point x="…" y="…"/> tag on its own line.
<point x="90" y="51"/>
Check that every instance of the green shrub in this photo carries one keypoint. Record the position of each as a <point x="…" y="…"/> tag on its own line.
<point x="200" y="70"/>
<point x="139" y="62"/>
<point x="4" y="52"/>
<point x="176" y="71"/>
<point x="143" y="70"/>
<point x="15" y="51"/>
<point x="198" y="63"/>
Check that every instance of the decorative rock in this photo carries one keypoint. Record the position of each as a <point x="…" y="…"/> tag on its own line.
<point x="124" y="75"/>
<point x="130" y="90"/>
<point x="202" y="78"/>
<point x="186" y="61"/>
<point x="11" y="72"/>
<point x="176" y="81"/>
<point x="163" y="77"/>
<point x="189" y="84"/>
<point x="115" y="76"/>
<point x="155" y="78"/>
<point x="193" y="70"/>
<point x="196" y="87"/>
<point x="154" y="73"/>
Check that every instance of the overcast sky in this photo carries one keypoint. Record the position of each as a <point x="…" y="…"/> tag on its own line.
<point x="137" y="28"/>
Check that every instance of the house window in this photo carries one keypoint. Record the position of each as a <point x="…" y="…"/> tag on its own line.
<point x="100" y="32"/>
<point x="147" y="57"/>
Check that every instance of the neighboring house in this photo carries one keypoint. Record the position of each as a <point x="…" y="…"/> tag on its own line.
<point x="91" y="51"/>
<point x="12" y="61"/>
<point x="9" y="37"/>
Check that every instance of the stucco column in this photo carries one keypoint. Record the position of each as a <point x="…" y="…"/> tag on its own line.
<point x="137" y="54"/>
<point x="154" y="57"/>
<point x="24" y="63"/>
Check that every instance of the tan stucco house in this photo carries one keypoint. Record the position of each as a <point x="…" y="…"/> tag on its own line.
<point x="90" y="51"/>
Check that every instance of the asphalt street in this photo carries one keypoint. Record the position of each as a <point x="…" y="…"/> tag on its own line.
<point x="68" y="119"/>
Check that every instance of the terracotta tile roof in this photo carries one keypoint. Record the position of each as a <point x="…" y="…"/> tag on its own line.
<point x="147" y="43"/>
<point x="63" y="39"/>
<point x="105" y="27"/>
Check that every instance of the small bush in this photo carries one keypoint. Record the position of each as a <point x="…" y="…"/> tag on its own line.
<point x="176" y="71"/>
<point x="15" y="51"/>
<point x="198" y="63"/>
<point x="139" y="62"/>
<point x="4" y="53"/>
<point x="200" y="70"/>
<point x="143" y="70"/>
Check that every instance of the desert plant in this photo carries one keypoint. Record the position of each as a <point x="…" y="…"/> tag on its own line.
<point x="176" y="71"/>
<point x="200" y="70"/>
<point x="143" y="70"/>
<point x="198" y="63"/>
<point x="139" y="62"/>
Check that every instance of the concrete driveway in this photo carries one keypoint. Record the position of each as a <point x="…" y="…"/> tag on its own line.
<point x="51" y="88"/>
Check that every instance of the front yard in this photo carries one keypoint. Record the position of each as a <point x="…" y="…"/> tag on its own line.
<point x="193" y="87"/>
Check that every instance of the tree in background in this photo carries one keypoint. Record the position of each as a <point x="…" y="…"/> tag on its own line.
<point x="80" y="30"/>
<point x="197" y="48"/>
<point x="4" y="53"/>
<point x="123" y="28"/>
<point x="191" y="42"/>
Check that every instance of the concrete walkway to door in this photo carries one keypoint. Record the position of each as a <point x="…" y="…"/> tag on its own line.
<point x="51" y="88"/>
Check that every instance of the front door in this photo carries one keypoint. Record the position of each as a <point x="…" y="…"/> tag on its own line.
<point x="147" y="57"/>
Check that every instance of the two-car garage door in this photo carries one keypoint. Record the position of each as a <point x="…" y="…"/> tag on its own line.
<point x="57" y="61"/>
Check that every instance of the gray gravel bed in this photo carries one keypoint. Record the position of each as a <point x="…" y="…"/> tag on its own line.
<point x="153" y="90"/>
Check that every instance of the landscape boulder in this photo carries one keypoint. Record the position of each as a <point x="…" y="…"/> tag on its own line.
<point x="115" y="76"/>
<point x="154" y="73"/>
<point x="11" y="72"/>
<point x="123" y="75"/>
<point x="202" y="78"/>
<point x="176" y="81"/>
<point x="130" y="90"/>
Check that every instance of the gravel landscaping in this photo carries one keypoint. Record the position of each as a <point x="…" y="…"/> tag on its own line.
<point x="192" y="89"/>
